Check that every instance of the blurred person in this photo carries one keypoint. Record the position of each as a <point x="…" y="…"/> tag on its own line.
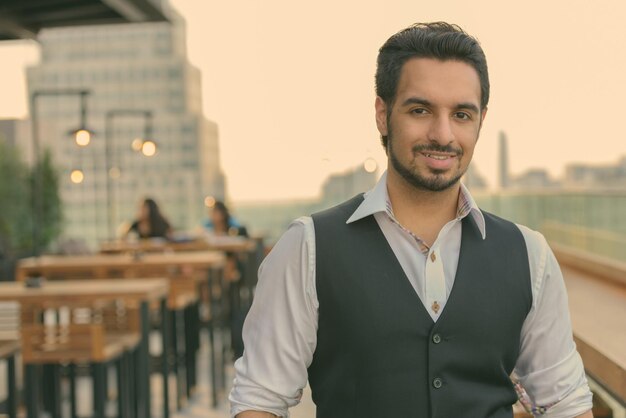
<point x="409" y="301"/>
<point x="150" y="222"/>
<point x="220" y="222"/>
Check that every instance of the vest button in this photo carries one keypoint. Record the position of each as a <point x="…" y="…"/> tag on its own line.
<point x="436" y="338"/>
<point x="437" y="383"/>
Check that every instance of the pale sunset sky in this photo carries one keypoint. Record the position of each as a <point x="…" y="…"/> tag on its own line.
<point x="291" y="84"/>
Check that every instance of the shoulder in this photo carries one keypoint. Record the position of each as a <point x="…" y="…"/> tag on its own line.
<point x="299" y="238"/>
<point x="340" y="211"/>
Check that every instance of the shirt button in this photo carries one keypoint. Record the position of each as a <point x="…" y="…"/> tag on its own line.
<point x="437" y="383"/>
<point x="436" y="338"/>
<point x="433" y="257"/>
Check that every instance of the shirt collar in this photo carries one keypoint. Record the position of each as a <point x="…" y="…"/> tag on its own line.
<point x="377" y="200"/>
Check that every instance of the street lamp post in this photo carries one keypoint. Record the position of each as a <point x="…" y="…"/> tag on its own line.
<point x="81" y="132"/>
<point x="146" y="145"/>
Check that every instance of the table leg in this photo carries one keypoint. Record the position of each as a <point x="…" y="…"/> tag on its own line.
<point x="72" y="378"/>
<point x="99" y="389"/>
<point x="143" y="381"/>
<point x="32" y="390"/>
<point x="191" y="332"/>
<point x="211" y="324"/>
<point x="165" y="356"/>
<point x="12" y="395"/>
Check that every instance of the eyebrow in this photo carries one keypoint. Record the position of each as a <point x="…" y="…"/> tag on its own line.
<point x="424" y="102"/>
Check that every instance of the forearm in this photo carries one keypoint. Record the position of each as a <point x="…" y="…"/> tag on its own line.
<point x="259" y="414"/>
<point x="587" y="414"/>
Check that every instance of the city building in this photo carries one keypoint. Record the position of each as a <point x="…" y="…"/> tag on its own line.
<point x="140" y="80"/>
<point x="342" y="186"/>
<point x="16" y="132"/>
<point x="601" y="176"/>
<point x="473" y="180"/>
<point x="271" y="219"/>
<point x="535" y="178"/>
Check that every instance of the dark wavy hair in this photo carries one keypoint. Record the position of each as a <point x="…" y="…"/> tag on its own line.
<point x="159" y="225"/>
<point x="439" y="40"/>
<point x="221" y="207"/>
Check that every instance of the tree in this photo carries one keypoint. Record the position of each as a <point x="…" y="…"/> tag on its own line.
<point x="16" y="208"/>
<point x="15" y="211"/>
<point x="52" y="214"/>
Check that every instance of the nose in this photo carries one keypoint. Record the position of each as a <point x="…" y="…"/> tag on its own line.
<point x="440" y="130"/>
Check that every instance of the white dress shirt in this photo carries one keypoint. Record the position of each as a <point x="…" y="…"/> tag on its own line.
<point x="280" y="330"/>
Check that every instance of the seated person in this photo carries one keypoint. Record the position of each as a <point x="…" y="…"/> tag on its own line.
<point x="150" y="223"/>
<point x="221" y="223"/>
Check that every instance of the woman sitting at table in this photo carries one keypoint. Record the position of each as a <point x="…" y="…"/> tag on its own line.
<point x="221" y="223"/>
<point x="150" y="223"/>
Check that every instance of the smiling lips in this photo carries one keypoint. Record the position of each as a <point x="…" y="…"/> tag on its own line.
<point x="438" y="160"/>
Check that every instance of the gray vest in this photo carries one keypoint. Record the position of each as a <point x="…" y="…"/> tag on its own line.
<point x="379" y="354"/>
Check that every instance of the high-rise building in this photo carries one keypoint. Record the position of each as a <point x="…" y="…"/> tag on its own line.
<point x="343" y="186"/>
<point x="473" y="180"/>
<point x="16" y="132"/>
<point x="128" y="69"/>
<point x="599" y="176"/>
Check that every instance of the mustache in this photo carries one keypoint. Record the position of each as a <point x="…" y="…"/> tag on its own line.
<point x="448" y="149"/>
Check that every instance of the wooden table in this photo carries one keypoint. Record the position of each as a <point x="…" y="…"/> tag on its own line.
<point x="228" y="244"/>
<point x="143" y="291"/>
<point x="112" y="265"/>
<point x="130" y="266"/>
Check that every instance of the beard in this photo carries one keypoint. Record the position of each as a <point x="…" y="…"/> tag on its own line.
<point x="435" y="181"/>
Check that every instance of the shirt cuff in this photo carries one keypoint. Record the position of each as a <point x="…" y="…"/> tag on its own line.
<point x="574" y="404"/>
<point x="566" y="397"/>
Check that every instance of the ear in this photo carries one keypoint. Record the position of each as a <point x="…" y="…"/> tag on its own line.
<point x="381" y="116"/>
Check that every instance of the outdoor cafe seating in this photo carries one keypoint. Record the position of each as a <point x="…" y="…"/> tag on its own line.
<point x="84" y="319"/>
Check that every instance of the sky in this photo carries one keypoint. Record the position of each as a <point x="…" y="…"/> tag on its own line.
<point x="291" y="84"/>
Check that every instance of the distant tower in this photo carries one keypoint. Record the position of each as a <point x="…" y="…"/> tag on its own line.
<point x="504" y="161"/>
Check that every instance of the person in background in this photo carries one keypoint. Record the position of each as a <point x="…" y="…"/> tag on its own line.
<point x="221" y="223"/>
<point x="150" y="222"/>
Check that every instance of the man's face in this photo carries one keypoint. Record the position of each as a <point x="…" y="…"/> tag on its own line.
<point x="434" y="123"/>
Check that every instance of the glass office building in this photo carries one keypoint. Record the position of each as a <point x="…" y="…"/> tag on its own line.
<point x="128" y="69"/>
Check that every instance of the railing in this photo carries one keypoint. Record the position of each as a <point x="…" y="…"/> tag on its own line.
<point x="590" y="221"/>
<point x="597" y="287"/>
<point x="603" y="243"/>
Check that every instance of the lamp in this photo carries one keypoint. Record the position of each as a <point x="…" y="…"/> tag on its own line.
<point x="147" y="147"/>
<point x="85" y="136"/>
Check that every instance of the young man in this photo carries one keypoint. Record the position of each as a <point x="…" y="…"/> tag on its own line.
<point x="409" y="301"/>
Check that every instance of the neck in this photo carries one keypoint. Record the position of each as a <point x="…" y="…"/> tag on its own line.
<point x="421" y="211"/>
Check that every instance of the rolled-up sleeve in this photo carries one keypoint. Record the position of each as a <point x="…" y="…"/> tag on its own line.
<point x="549" y="367"/>
<point x="280" y="331"/>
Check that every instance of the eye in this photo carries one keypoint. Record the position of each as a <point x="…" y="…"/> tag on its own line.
<point x="419" y="111"/>
<point x="463" y="116"/>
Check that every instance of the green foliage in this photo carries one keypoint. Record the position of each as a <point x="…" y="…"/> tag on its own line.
<point x="16" y="205"/>
<point x="52" y="215"/>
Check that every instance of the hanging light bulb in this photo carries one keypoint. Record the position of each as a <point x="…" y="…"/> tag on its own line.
<point x="148" y="148"/>
<point x="77" y="176"/>
<point x="137" y="144"/>
<point x="82" y="137"/>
